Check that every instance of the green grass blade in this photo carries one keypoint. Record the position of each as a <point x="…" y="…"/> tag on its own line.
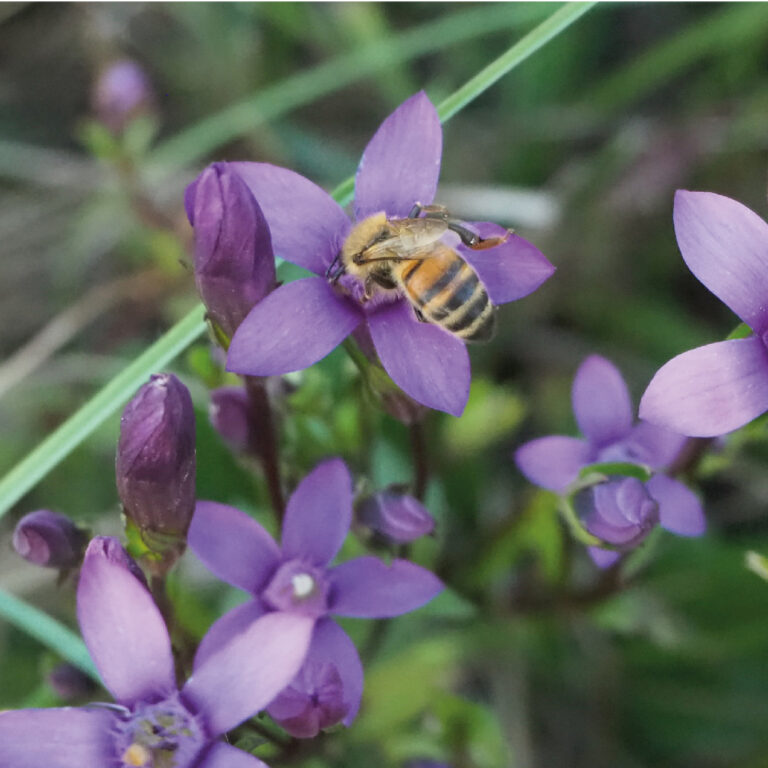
<point x="303" y="88"/>
<point x="48" y="631"/>
<point x="519" y="52"/>
<point x="101" y="406"/>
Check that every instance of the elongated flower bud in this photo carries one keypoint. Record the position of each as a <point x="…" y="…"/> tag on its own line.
<point x="396" y="516"/>
<point x="49" y="539"/>
<point x="155" y="464"/>
<point x="234" y="262"/>
<point x="122" y="91"/>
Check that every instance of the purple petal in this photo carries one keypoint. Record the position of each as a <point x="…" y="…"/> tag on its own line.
<point x="710" y="390"/>
<point x="725" y="245"/>
<point x="56" y="738"/>
<point x="227" y="627"/>
<point x="553" y="462"/>
<point x="123" y="628"/>
<point x="330" y="643"/>
<point x="223" y="755"/>
<point x="401" y="164"/>
<point x="368" y="588"/>
<point x="292" y="328"/>
<point x="603" y="558"/>
<point x="248" y="672"/>
<point x="308" y="226"/>
<point x="679" y="507"/>
<point x="511" y="270"/>
<point x="233" y="545"/>
<point x="318" y="514"/>
<point x="426" y="362"/>
<point x="653" y="445"/>
<point x="601" y="401"/>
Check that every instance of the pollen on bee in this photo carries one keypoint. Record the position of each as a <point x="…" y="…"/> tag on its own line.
<point x="303" y="585"/>
<point x="136" y="756"/>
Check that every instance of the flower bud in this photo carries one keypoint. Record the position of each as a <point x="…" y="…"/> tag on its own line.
<point x="234" y="262"/>
<point x="620" y="512"/>
<point x="69" y="683"/>
<point x="312" y="702"/>
<point x="49" y="539"/>
<point x="155" y="464"/>
<point x="396" y="516"/>
<point x="232" y="417"/>
<point x="122" y="91"/>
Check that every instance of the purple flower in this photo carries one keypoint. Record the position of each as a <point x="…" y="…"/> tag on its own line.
<point x="121" y="92"/>
<point x="396" y="516"/>
<point x="719" y="387"/>
<point x="70" y="683"/>
<point x="296" y="578"/>
<point x="623" y="509"/>
<point x="301" y="322"/>
<point x="155" y="465"/>
<point x="153" y="723"/>
<point x="49" y="539"/>
<point x="234" y="263"/>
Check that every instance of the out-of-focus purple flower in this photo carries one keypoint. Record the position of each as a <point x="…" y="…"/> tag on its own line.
<point x="396" y="516"/>
<point x="234" y="263"/>
<point x="153" y="722"/>
<point x="719" y="387"/>
<point x="297" y="578"/>
<point x="49" y="539"/>
<point x="155" y="464"/>
<point x="70" y="683"/>
<point x="122" y="91"/>
<point x="603" y="410"/>
<point x="624" y="509"/>
<point x="301" y="322"/>
<point x="232" y="417"/>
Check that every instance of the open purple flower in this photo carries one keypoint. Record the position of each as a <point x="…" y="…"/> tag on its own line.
<point x="719" y="387"/>
<point x="301" y="322"/>
<point x="296" y="578"/>
<point x="623" y="510"/>
<point x="153" y="723"/>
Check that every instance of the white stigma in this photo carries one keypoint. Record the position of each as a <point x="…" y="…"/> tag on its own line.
<point x="303" y="585"/>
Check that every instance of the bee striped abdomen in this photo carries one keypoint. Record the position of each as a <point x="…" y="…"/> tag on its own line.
<point x="447" y="292"/>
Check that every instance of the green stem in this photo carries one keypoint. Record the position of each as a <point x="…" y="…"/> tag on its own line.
<point x="48" y="631"/>
<point x="60" y="443"/>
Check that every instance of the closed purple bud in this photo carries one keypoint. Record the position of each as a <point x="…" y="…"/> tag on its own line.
<point x="232" y="417"/>
<point x="621" y="512"/>
<point x="234" y="262"/>
<point x="69" y="683"/>
<point x="122" y="91"/>
<point x="312" y="702"/>
<point x="397" y="516"/>
<point x="49" y="539"/>
<point x="155" y="464"/>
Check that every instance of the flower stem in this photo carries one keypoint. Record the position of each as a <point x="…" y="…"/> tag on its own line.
<point x="420" y="462"/>
<point x="268" y="453"/>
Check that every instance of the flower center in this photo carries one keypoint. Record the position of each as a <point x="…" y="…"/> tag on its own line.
<point x="298" y="587"/>
<point x="162" y="735"/>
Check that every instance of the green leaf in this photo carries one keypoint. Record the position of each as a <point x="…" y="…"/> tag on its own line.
<point x="48" y="631"/>
<point x="100" y="407"/>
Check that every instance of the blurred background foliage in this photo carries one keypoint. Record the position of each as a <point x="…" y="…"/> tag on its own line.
<point x="529" y="659"/>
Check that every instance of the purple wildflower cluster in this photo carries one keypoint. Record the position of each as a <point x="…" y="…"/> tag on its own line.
<point x="281" y="651"/>
<point x="619" y="510"/>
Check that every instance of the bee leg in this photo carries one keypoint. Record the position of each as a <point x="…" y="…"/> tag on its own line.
<point x="429" y="211"/>
<point x="369" y="286"/>
<point x="335" y="269"/>
<point x="419" y="316"/>
<point x="475" y="242"/>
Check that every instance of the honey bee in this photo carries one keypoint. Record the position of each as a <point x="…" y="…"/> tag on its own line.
<point x="409" y="256"/>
